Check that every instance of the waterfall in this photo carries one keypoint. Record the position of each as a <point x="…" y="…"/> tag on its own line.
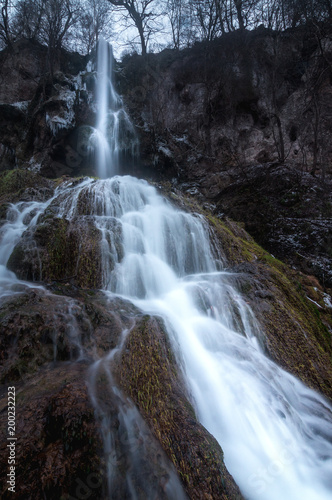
<point x="275" y="432"/>
<point x="114" y="136"/>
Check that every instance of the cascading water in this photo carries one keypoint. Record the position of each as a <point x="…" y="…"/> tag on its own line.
<point x="19" y="217"/>
<point x="276" y="433"/>
<point x="114" y="135"/>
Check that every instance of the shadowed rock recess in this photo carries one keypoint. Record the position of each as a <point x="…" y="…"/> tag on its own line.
<point x="103" y="406"/>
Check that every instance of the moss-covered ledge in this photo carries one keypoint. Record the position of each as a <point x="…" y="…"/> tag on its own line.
<point x="148" y="373"/>
<point x="22" y="184"/>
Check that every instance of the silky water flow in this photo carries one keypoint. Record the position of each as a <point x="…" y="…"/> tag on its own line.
<point x="114" y="135"/>
<point x="275" y="432"/>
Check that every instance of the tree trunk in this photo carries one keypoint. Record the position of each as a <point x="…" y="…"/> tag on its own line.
<point x="142" y="38"/>
<point x="316" y="134"/>
<point x="238" y="6"/>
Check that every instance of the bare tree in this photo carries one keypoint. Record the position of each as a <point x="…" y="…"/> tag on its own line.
<point x="94" y="20"/>
<point x="179" y="14"/>
<point x="208" y="18"/>
<point x="216" y="17"/>
<point x="246" y="12"/>
<point x="5" y="31"/>
<point x="58" y="19"/>
<point x="28" y="18"/>
<point x="143" y="14"/>
<point x="239" y="11"/>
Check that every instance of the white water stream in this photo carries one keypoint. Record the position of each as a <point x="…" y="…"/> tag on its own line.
<point x="275" y="432"/>
<point x="114" y="135"/>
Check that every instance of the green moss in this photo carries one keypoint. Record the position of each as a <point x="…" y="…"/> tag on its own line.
<point x="275" y="263"/>
<point x="14" y="182"/>
<point x="236" y="243"/>
<point x="11" y="181"/>
<point x="148" y="373"/>
<point x="69" y="251"/>
<point x="61" y="259"/>
<point x="296" y="335"/>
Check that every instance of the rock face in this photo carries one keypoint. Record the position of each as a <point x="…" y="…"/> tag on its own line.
<point x="244" y="99"/>
<point x="39" y="115"/>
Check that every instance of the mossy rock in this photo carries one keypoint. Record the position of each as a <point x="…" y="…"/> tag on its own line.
<point x="59" y="250"/>
<point x="148" y="373"/>
<point x="295" y="334"/>
<point x="297" y="339"/>
<point x="14" y="183"/>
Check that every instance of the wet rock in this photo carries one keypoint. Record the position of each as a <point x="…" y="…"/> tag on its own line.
<point x="147" y="371"/>
<point x="136" y="463"/>
<point x="59" y="250"/>
<point x="38" y="328"/>
<point x="48" y="342"/>
<point x="109" y="317"/>
<point x="58" y="448"/>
